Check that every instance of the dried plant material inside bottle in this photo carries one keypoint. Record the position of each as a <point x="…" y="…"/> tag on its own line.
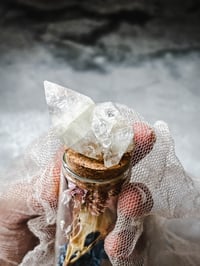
<point x="92" y="191"/>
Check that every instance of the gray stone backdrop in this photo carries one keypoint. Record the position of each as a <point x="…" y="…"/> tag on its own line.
<point x="145" y="54"/>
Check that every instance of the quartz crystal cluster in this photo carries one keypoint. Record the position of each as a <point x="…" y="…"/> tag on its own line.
<point x="98" y="131"/>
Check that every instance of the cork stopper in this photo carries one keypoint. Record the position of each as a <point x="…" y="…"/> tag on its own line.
<point x="94" y="169"/>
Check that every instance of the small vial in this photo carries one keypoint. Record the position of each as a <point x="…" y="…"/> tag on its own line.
<point x="87" y="208"/>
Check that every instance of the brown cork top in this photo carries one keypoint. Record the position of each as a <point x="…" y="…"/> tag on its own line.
<point x="91" y="168"/>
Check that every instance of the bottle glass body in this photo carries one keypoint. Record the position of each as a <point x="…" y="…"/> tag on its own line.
<point x="86" y="214"/>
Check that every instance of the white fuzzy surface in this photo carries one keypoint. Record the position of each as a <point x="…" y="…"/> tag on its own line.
<point x="165" y="88"/>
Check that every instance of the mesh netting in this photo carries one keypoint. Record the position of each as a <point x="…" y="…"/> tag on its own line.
<point x="157" y="186"/>
<point x="28" y="204"/>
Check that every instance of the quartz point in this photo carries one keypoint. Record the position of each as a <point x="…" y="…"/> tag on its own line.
<point x="98" y="131"/>
<point x="70" y="112"/>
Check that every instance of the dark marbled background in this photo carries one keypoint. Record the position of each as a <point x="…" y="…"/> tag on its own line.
<point x="145" y="54"/>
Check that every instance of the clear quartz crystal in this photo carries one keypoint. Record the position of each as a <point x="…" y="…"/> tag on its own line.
<point x="113" y="132"/>
<point x="98" y="131"/>
<point x="70" y="112"/>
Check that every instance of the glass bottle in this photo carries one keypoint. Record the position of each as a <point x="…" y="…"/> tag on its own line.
<point x="87" y="208"/>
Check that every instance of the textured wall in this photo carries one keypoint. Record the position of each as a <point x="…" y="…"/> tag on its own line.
<point x="145" y="55"/>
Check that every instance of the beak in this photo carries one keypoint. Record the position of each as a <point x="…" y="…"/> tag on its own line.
<point x="87" y="230"/>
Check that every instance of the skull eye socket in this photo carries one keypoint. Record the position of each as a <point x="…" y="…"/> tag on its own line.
<point x="91" y="238"/>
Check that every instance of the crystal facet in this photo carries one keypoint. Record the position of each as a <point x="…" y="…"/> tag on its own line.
<point x="70" y="112"/>
<point x="98" y="131"/>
